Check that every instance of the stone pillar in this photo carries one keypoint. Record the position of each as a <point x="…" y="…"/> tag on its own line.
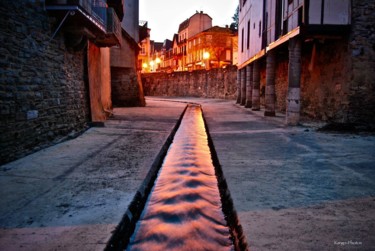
<point x="238" y="86"/>
<point x="243" y="86"/>
<point x="293" y="104"/>
<point x="249" y="85"/>
<point x="256" y="85"/>
<point x="270" y="84"/>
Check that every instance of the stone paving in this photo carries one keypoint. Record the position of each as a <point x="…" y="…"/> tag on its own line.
<point x="293" y="188"/>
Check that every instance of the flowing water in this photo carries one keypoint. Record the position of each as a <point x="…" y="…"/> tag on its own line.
<point x="184" y="210"/>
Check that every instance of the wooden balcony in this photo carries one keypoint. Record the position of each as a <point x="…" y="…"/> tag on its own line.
<point x="92" y="19"/>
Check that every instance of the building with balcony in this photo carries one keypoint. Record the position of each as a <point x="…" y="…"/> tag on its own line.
<point x="97" y="26"/>
<point x="302" y="57"/>
<point x="80" y="20"/>
<point x="56" y="70"/>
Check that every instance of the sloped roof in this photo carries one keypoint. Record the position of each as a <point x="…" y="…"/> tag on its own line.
<point x="167" y="44"/>
<point x="175" y="38"/>
<point x="158" y="46"/>
<point x="219" y="29"/>
<point x="184" y="25"/>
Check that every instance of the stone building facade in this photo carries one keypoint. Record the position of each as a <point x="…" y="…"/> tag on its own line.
<point x="125" y="73"/>
<point x="313" y="60"/>
<point x="49" y="89"/>
<point x="44" y="87"/>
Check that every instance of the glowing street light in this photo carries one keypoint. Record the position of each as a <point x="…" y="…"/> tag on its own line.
<point x="152" y="65"/>
<point x="206" y="56"/>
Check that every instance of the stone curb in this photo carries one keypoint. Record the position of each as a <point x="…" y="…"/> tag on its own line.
<point x="125" y="229"/>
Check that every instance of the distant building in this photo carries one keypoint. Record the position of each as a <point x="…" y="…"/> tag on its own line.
<point x="167" y="59"/>
<point x="308" y="58"/>
<point x="211" y="48"/>
<point x="197" y="45"/>
<point x="144" y="56"/>
<point x="190" y="27"/>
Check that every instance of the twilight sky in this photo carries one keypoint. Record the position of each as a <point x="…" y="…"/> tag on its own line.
<point x="164" y="16"/>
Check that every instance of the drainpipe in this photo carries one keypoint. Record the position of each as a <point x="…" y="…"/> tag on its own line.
<point x="256" y="85"/>
<point x="249" y="85"/>
<point x="270" y="84"/>
<point x="293" y="105"/>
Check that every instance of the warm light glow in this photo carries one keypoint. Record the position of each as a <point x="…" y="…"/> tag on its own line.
<point x="157" y="60"/>
<point x="206" y="55"/>
<point x="183" y="211"/>
<point x="152" y="63"/>
<point x="144" y="65"/>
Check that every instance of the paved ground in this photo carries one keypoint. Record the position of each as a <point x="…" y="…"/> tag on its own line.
<point x="71" y="196"/>
<point x="293" y="188"/>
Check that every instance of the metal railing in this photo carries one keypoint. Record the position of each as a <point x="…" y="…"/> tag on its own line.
<point x="94" y="9"/>
<point x="113" y="23"/>
<point x="97" y="9"/>
<point x="96" y="12"/>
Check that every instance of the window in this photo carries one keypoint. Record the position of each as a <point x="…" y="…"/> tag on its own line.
<point x="260" y="28"/>
<point x="228" y="42"/>
<point x="242" y="38"/>
<point x="227" y="55"/>
<point x="143" y="51"/>
<point x="248" y="34"/>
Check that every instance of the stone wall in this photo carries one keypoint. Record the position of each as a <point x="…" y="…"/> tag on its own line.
<point x="125" y="80"/>
<point x="337" y="79"/>
<point x="338" y="76"/>
<point x="43" y="87"/>
<point x="215" y="83"/>
<point x="361" y="102"/>
<point x="127" y="89"/>
<point x="324" y="79"/>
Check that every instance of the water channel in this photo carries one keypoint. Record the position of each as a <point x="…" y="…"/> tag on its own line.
<point x="184" y="210"/>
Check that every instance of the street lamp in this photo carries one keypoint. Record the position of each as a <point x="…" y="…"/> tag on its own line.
<point x="206" y="56"/>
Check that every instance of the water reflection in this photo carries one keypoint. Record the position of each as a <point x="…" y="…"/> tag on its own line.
<point x="184" y="209"/>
